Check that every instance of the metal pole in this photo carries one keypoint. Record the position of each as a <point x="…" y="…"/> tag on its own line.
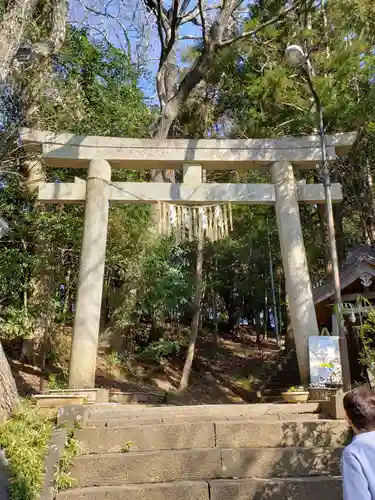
<point x="273" y="291"/>
<point x="345" y="367"/>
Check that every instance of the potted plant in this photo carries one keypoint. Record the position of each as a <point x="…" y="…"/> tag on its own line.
<point x="321" y="392"/>
<point x="296" y="395"/>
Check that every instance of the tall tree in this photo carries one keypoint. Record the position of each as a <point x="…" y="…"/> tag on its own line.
<point x="219" y="25"/>
<point x="17" y="42"/>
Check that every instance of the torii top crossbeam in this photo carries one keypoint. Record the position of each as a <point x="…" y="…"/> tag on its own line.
<point x="68" y="150"/>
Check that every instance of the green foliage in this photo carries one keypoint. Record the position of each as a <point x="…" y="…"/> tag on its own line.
<point x="168" y="285"/>
<point x="296" y="389"/>
<point x="247" y="383"/>
<point x="92" y="88"/>
<point x="127" y="447"/>
<point x="16" y="323"/>
<point x="113" y="360"/>
<point x="97" y="92"/>
<point x="58" y="381"/>
<point x="25" y="441"/>
<point x="160" y="350"/>
<point x="367" y="336"/>
<point x="63" y="478"/>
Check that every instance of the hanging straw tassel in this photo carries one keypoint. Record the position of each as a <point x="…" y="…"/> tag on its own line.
<point x="190" y="224"/>
<point x="230" y="216"/>
<point x="199" y="224"/>
<point x="209" y="222"/>
<point x="214" y="227"/>
<point x="218" y="221"/>
<point x="168" y="220"/>
<point x="173" y="219"/>
<point x="225" y="215"/>
<point x="178" y="225"/>
<point x="182" y="224"/>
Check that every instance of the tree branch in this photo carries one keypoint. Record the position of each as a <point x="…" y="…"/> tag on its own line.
<point x="112" y="18"/>
<point x="184" y="6"/>
<point x="203" y="21"/>
<point x="160" y="12"/>
<point x="194" y="13"/>
<point x="173" y="26"/>
<point x="274" y="20"/>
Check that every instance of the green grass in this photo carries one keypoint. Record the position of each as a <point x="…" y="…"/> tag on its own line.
<point x="24" y="437"/>
<point x="63" y="478"/>
<point x="246" y="383"/>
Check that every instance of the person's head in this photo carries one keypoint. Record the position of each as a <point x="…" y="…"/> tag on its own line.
<point x="359" y="405"/>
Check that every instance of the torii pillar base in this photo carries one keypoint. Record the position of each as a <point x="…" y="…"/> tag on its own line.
<point x="297" y="279"/>
<point x="91" y="275"/>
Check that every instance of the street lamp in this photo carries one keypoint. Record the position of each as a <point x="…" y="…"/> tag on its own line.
<point x="296" y="57"/>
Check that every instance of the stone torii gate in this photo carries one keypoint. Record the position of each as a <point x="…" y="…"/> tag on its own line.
<point x="99" y="154"/>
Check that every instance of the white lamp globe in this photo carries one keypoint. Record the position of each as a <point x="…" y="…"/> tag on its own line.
<point x="295" y="56"/>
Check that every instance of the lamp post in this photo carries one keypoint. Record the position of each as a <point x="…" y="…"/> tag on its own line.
<point x="296" y="57"/>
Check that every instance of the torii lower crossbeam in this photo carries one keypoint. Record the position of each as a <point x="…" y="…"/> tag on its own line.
<point x="141" y="192"/>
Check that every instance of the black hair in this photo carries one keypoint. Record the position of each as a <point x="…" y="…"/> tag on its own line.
<point x="359" y="405"/>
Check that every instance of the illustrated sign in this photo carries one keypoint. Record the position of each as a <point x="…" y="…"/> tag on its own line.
<point x="325" y="360"/>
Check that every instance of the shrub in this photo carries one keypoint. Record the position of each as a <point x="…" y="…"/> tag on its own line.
<point x="157" y="351"/>
<point x="63" y="478"/>
<point x="25" y="441"/>
<point x="367" y="336"/>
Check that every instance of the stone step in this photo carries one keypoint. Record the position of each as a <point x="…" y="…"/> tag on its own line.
<point x="110" y="408"/>
<point x="157" y="419"/>
<point x="271" y="399"/>
<point x="104" y="414"/>
<point x="224" y="434"/>
<point x="308" y="488"/>
<point x="200" y="464"/>
<point x="181" y="490"/>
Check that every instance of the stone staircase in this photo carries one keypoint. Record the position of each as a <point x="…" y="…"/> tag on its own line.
<point x="285" y="375"/>
<point x="221" y="452"/>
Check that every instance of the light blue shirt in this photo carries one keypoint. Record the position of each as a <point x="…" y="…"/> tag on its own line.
<point x="358" y="468"/>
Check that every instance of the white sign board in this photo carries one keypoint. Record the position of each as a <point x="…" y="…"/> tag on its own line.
<point x="325" y="360"/>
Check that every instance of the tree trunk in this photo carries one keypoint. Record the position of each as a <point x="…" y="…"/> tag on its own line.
<point x="215" y="318"/>
<point x="258" y="326"/>
<point x="195" y="323"/>
<point x="44" y="348"/>
<point x="12" y="30"/>
<point x="289" y="341"/>
<point x="158" y="327"/>
<point x="338" y="216"/>
<point x="8" y="390"/>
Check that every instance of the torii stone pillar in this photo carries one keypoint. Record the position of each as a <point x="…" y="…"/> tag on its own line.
<point x="90" y="279"/>
<point x="298" y="285"/>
